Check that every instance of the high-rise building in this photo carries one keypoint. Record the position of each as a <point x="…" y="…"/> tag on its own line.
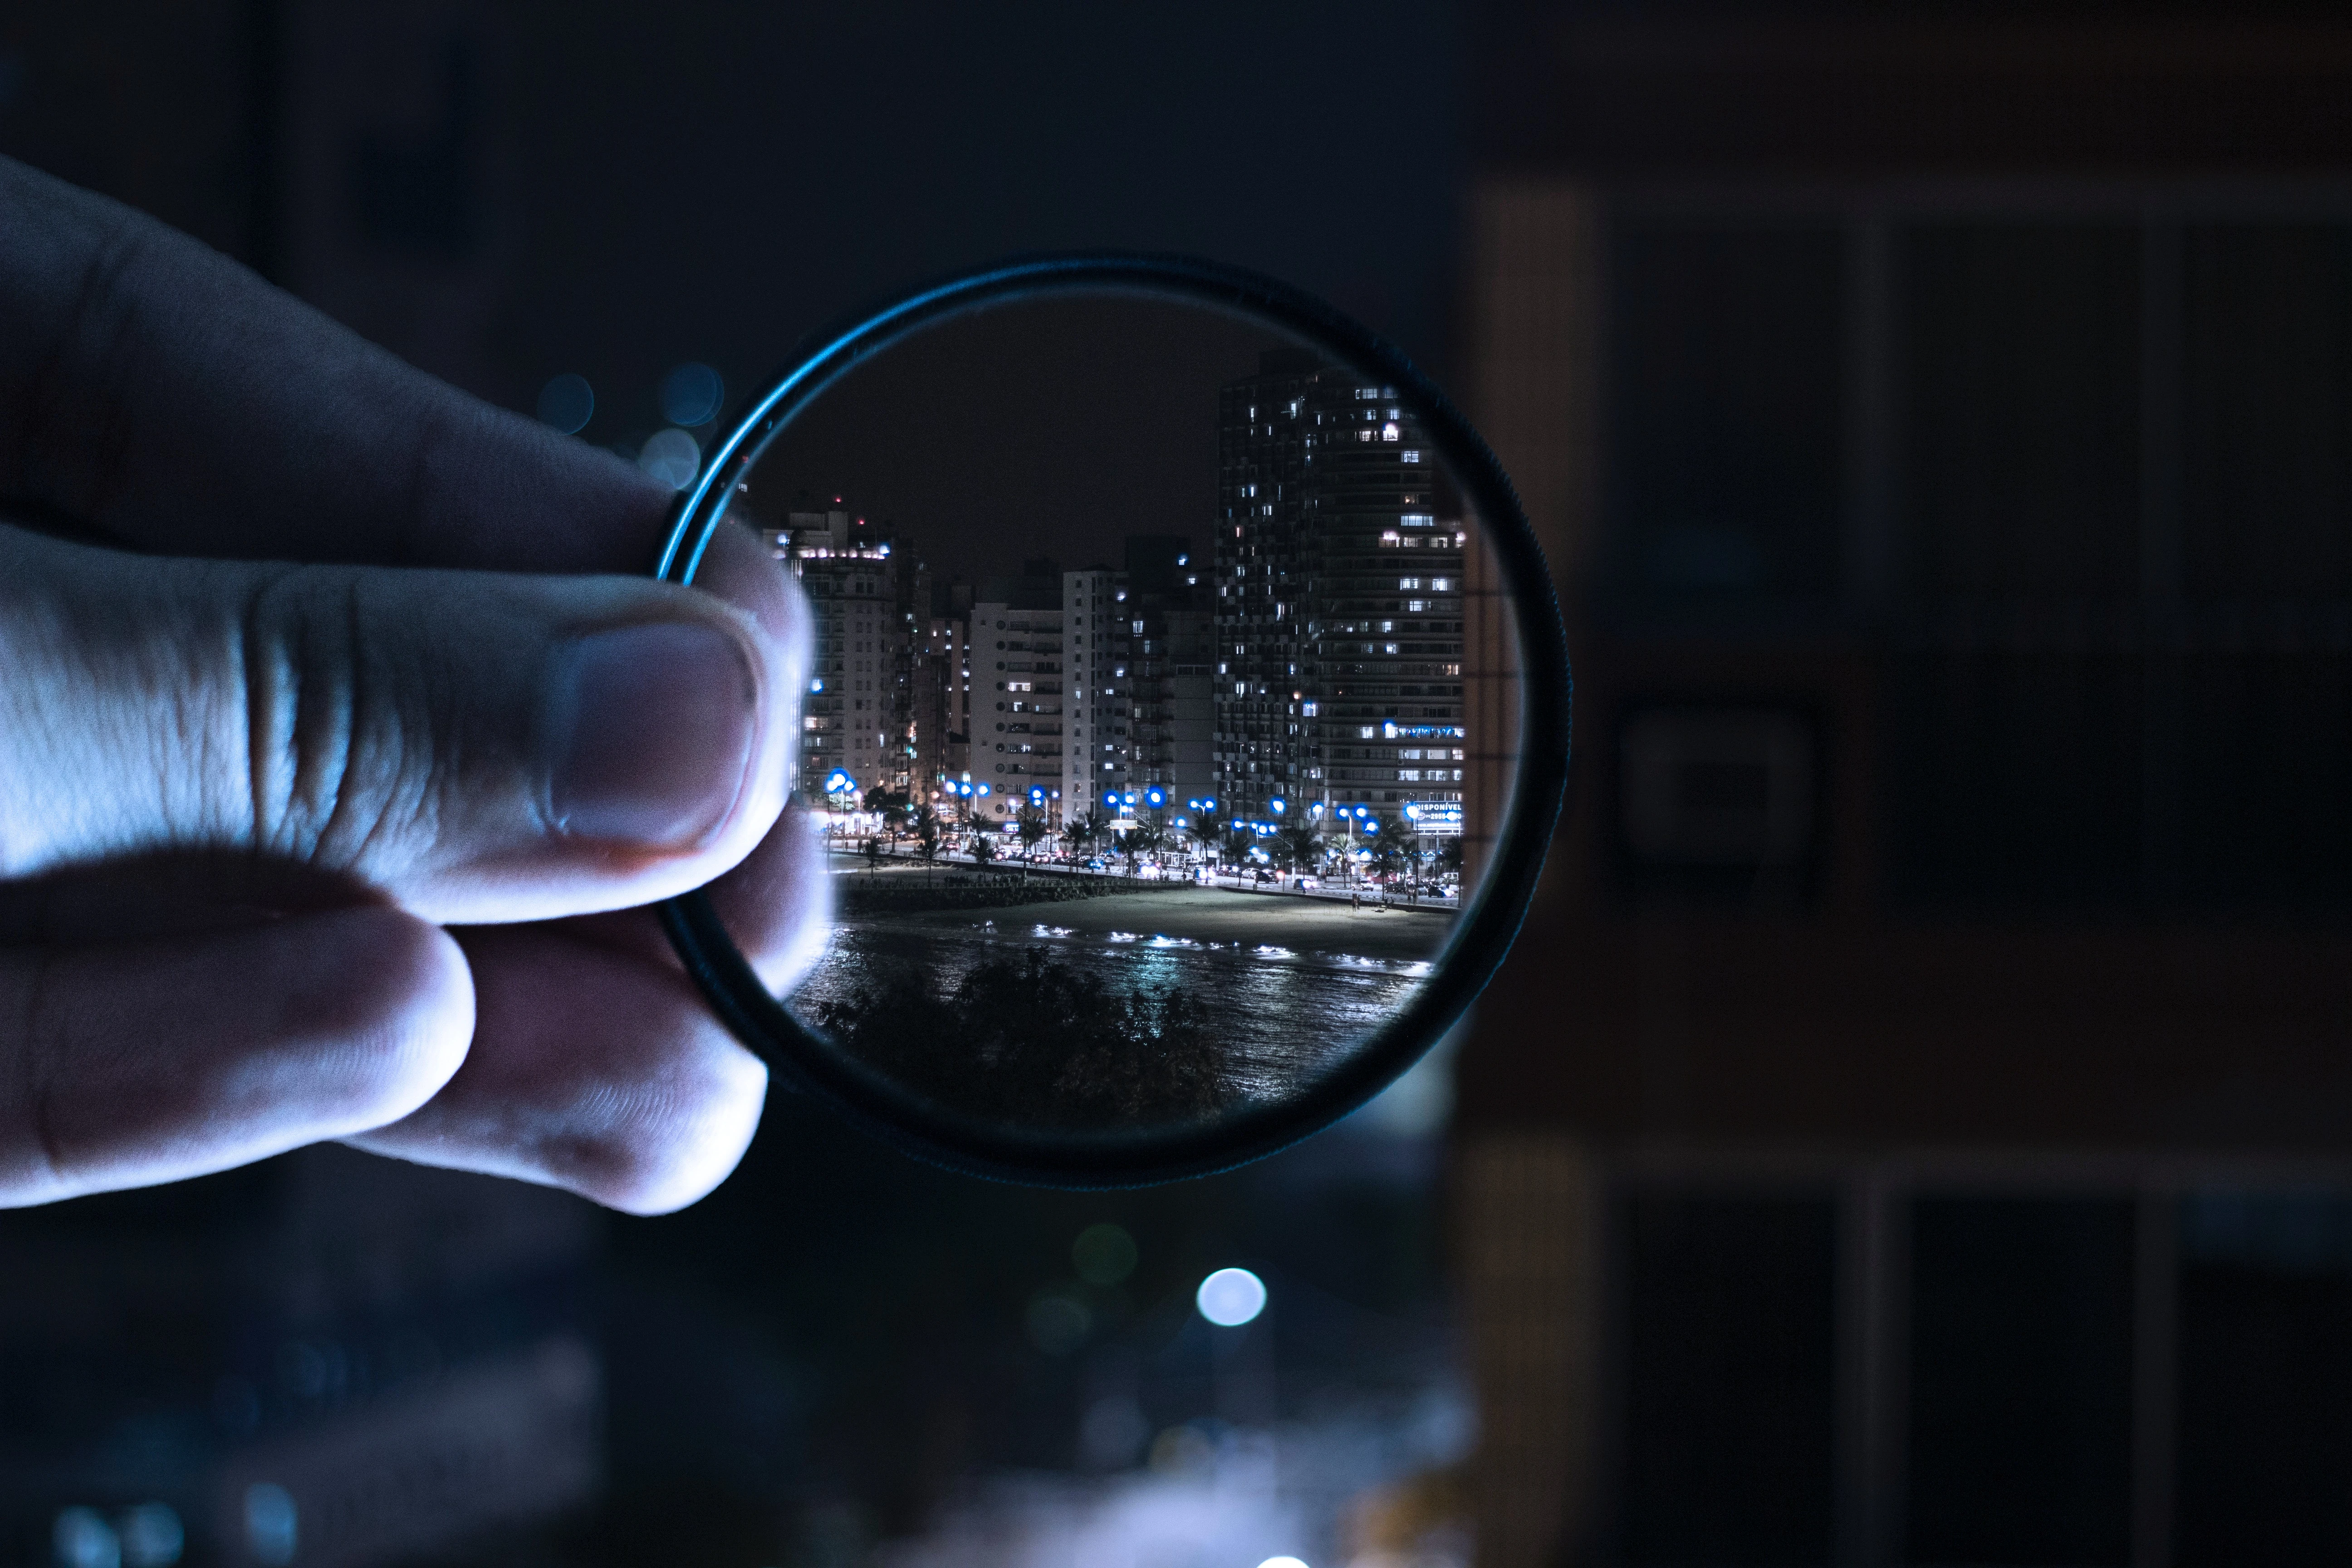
<point x="1016" y="728"/>
<point x="1337" y="618"/>
<point x="1143" y="709"/>
<point x="854" y="717"/>
<point x="939" y="715"/>
<point x="1095" y="763"/>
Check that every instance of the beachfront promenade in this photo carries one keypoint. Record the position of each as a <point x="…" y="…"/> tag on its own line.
<point x="844" y="861"/>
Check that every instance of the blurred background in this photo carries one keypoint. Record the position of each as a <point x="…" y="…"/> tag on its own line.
<point x="1913" y="1127"/>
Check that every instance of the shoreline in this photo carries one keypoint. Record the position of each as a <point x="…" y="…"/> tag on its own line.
<point x="1218" y="915"/>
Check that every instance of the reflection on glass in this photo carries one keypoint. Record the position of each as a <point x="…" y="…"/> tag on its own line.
<point x="1138" y="709"/>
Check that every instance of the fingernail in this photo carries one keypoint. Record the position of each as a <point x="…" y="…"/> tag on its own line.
<point x="651" y="730"/>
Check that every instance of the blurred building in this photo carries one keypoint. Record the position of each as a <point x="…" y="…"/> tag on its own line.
<point x="327" y="1359"/>
<point x="1338" y="611"/>
<point x="1913" y="1127"/>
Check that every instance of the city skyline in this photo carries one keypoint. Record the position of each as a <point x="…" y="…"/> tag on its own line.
<point x="1305" y="657"/>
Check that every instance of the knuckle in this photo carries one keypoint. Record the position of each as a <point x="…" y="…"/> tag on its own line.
<point x="340" y="744"/>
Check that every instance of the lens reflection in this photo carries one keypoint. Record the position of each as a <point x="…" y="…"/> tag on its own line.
<point x="1154" y="763"/>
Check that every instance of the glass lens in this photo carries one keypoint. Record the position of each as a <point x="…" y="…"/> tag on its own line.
<point x="1163" y="709"/>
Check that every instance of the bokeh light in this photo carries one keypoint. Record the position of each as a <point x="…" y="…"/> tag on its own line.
<point x="567" y="402"/>
<point x="672" y="456"/>
<point x="1103" y="1254"/>
<point x="1231" y="1297"/>
<point x="1057" y="1324"/>
<point x="692" y="393"/>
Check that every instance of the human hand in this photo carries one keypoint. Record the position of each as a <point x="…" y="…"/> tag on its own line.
<point x="338" y="759"/>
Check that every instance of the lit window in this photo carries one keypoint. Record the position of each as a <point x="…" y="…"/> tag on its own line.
<point x="1416" y="605"/>
<point x="1389" y="431"/>
<point x="1418" y="519"/>
<point x="1412" y="457"/>
<point x="1441" y="585"/>
<point x="1408" y="582"/>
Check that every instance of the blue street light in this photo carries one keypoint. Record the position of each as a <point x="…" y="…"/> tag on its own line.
<point x="1037" y="795"/>
<point x="1110" y="797"/>
<point x="983" y="789"/>
<point x="1371" y="827"/>
<point x="1157" y="797"/>
<point x="839" y="781"/>
<point x="1130" y="797"/>
<point x="1278" y="807"/>
<point x="1208" y="803"/>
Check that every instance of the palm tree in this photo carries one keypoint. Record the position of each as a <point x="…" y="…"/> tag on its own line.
<point x="1084" y="829"/>
<point x="1147" y="837"/>
<point x="1205" y="828"/>
<point x="1032" y="829"/>
<point x="1387" y="844"/>
<point x="927" y="831"/>
<point x="1300" y="845"/>
<point x="983" y="848"/>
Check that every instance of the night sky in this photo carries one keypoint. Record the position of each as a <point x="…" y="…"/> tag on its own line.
<point x="1043" y="428"/>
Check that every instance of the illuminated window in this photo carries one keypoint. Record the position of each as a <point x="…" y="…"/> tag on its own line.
<point x="1408" y="582"/>
<point x="1412" y="457"/>
<point x="1442" y="585"/>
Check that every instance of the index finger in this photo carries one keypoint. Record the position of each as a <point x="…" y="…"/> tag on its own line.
<point x="165" y="396"/>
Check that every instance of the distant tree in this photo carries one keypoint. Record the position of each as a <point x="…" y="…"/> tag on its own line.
<point x="983" y="848"/>
<point x="873" y="853"/>
<point x="1148" y="838"/>
<point x="1390" y="851"/>
<point x="1032" y="829"/>
<point x="1449" y="857"/>
<point x="928" y="831"/>
<point x="1239" y="842"/>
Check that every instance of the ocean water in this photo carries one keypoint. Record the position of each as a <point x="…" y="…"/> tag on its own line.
<point x="1283" y="1013"/>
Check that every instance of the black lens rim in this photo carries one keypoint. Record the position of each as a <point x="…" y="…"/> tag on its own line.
<point x="1482" y="937"/>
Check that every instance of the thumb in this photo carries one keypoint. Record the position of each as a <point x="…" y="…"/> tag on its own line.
<point x="481" y="747"/>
